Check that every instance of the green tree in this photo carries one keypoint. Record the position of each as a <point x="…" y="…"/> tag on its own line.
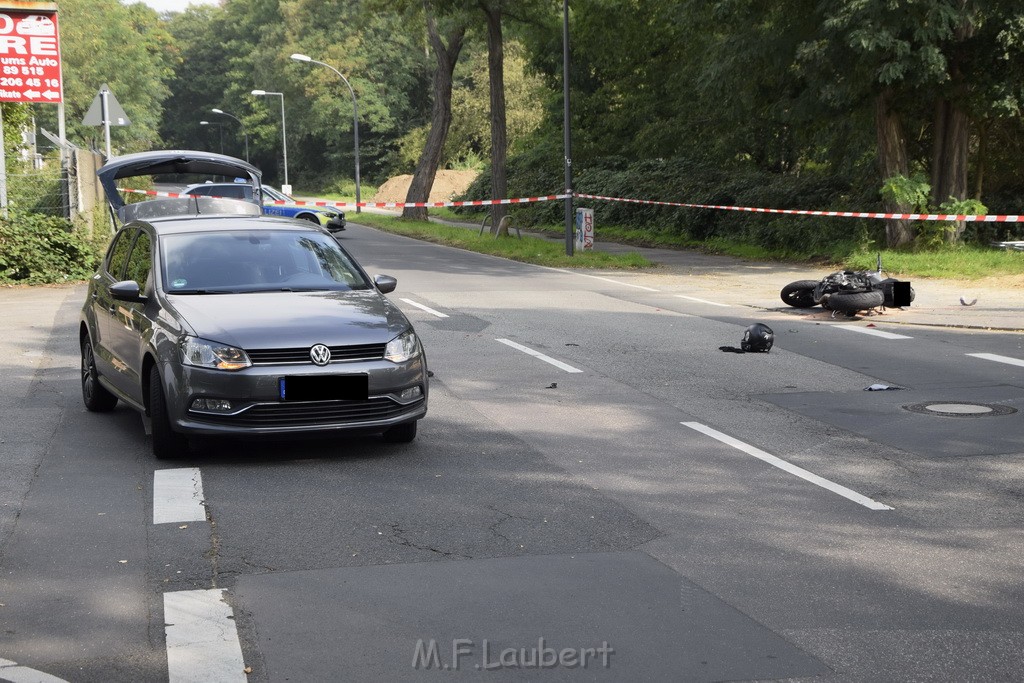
<point x="17" y="117"/>
<point x="446" y="51"/>
<point x="128" y="48"/>
<point x="385" y="58"/>
<point x="929" y="63"/>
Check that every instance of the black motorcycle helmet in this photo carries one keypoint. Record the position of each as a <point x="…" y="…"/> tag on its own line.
<point x="758" y="337"/>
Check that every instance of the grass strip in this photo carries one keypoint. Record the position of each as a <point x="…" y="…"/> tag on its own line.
<point x="959" y="263"/>
<point x="528" y="249"/>
<point x="955" y="262"/>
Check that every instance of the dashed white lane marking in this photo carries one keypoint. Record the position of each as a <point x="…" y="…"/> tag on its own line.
<point x="11" y="671"/>
<point x="607" y="279"/>
<point x="788" y="467"/>
<point x="202" y="640"/>
<point x="999" y="359"/>
<point x="873" y="332"/>
<point x="540" y="356"/>
<point x="703" y="301"/>
<point x="178" y="496"/>
<point x="428" y="309"/>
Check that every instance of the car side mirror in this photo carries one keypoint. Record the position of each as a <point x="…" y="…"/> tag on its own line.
<point x="126" y="290"/>
<point x="385" y="283"/>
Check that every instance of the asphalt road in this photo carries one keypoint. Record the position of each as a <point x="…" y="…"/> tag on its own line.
<point x="597" y="493"/>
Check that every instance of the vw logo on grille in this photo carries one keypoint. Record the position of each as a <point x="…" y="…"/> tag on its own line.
<point x="320" y="354"/>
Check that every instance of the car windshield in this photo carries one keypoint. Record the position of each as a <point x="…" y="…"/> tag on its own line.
<point x="185" y="206"/>
<point x="241" y="261"/>
<point x="275" y="195"/>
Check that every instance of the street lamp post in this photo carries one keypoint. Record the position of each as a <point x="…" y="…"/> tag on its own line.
<point x="241" y="126"/>
<point x="286" y="188"/>
<point x="355" y="113"/>
<point x="220" y="131"/>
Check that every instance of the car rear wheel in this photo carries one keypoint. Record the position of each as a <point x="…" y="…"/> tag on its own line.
<point x="167" y="443"/>
<point x="401" y="433"/>
<point x="95" y="396"/>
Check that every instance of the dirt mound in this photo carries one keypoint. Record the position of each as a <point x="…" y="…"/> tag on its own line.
<point x="447" y="184"/>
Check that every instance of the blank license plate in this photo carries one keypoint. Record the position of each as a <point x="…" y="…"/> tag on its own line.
<point x="324" y="388"/>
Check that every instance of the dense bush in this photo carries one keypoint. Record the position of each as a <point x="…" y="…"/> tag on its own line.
<point x="679" y="180"/>
<point x="35" y="249"/>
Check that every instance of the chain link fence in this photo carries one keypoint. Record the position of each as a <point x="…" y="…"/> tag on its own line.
<point x="71" y="192"/>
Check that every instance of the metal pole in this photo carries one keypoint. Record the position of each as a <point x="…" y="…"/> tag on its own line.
<point x="3" y="169"/>
<point x="355" y="124"/>
<point x="355" y="127"/>
<point x="355" y="115"/>
<point x="241" y="127"/>
<point x="105" y="114"/>
<point x="284" y="142"/>
<point x="65" y="161"/>
<point x="565" y="126"/>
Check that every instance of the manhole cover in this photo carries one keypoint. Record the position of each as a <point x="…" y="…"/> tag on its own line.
<point x="951" y="409"/>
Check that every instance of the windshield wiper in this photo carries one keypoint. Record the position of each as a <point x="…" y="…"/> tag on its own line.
<point x="310" y="288"/>
<point x="204" y="291"/>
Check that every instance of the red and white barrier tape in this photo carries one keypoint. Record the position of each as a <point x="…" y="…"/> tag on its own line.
<point x="375" y="205"/>
<point x="986" y="218"/>
<point x="993" y="218"/>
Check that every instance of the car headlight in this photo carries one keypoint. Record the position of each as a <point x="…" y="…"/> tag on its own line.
<point x="403" y="347"/>
<point x="204" y="353"/>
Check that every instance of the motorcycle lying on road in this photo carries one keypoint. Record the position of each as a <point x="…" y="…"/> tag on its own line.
<point x="849" y="291"/>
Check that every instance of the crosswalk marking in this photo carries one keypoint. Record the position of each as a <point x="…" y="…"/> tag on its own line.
<point x="202" y="639"/>
<point x="178" y="496"/>
<point x="999" y="359"/>
<point x="872" y="331"/>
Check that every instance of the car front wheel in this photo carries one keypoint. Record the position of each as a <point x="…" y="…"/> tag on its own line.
<point x="167" y="443"/>
<point x="95" y="396"/>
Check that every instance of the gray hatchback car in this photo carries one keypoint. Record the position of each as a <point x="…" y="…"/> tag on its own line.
<point x="215" y="320"/>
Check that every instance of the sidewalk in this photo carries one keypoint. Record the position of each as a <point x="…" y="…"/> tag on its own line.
<point x="999" y="302"/>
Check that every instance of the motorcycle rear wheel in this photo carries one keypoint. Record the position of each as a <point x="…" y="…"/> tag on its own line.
<point x="887" y="282"/>
<point x="851" y="302"/>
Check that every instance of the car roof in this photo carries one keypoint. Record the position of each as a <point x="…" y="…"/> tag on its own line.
<point x="177" y="225"/>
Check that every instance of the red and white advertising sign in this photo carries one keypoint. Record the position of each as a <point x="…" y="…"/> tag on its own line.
<point x="29" y="53"/>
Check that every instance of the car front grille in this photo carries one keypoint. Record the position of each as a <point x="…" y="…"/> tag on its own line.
<point x="301" y="355"/>
<point x="311" y="413"/>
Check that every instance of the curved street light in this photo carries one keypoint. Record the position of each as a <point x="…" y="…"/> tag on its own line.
<point x="241" y="126"/>
<point x="284" y="136"/>
<point x="355" y="112"/>
<point x="220" y="131"/>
